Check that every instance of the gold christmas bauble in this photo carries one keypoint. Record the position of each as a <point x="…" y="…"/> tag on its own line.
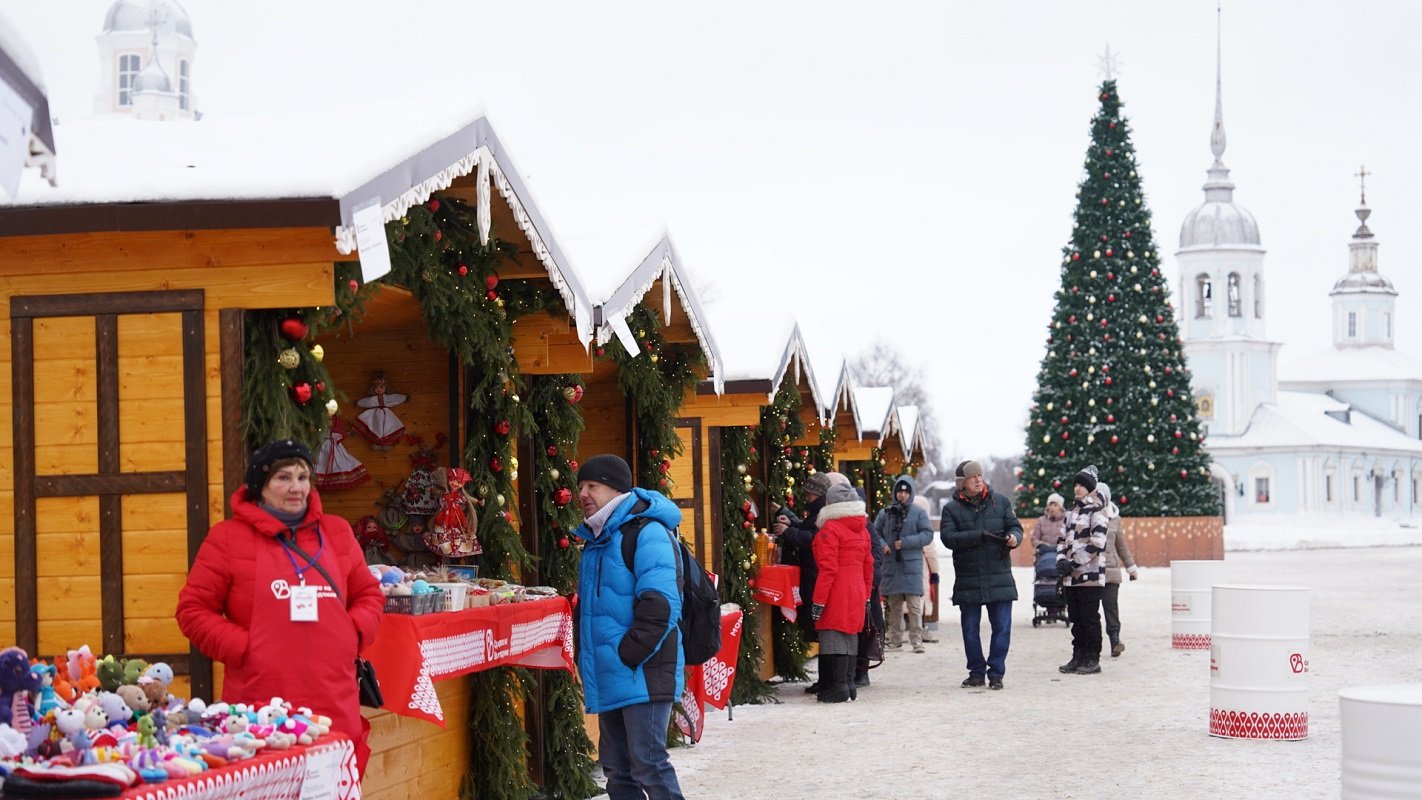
<point x="289" y="358"/>
<point x="554" y="473"/>
<point x="741" y="469"/>
<point x="498" y="498"/>
<point x="513" y="462"/>
<point x="790" y="480"/>
<point x="318" y="352"/>
<point x="332" y="407"/>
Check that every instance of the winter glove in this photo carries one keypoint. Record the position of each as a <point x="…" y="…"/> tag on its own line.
<point x="1132" y="571"/>
<point x="1064" y="568"/>
<point x="816" y="611"/>
<point x="933" y="578"/>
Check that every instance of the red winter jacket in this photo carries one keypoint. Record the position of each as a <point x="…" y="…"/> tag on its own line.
<point x="846" y="567"/>
<point x="235" y="608"/>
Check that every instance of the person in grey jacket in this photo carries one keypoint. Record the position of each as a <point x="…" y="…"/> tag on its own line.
<point x="978" y="525"/>
<point x="1118" y="555"/>
<point x="904" y="529"/>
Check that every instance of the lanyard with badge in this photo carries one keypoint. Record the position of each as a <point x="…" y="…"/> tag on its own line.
<point x="304" y="598"/>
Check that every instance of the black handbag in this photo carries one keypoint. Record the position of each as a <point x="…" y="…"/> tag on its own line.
<point x="366" y="683"/>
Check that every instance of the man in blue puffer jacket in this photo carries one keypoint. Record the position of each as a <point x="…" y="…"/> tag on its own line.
<point x="629" y="645"/>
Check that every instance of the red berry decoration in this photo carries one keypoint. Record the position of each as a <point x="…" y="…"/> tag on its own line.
<point x="563" y="542"/>
<point x="293" y="329"/>
<point x="491" y="280"/>
<point x="302" y="392"/>
<point x="552" y="450"/>
<point x="562" y="496"/>
<point x="502" y="427"/>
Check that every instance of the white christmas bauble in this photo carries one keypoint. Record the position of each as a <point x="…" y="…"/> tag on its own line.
<point x="1150" y="437"/>
<point x="1152" y="384"/>
<point x="332" y="407"/>
<point x="1147" y="369"/>
<point x="1049" y="406"/>
<point x="1091" y="402"/>
<point x="1154" y="401"/>
<point x="1046" y="439"/>
<point x="1093" y="273"/>
<point x="554" y="473"/>
<point x="1041" y="472"/>
<point x="1095" y="254"/>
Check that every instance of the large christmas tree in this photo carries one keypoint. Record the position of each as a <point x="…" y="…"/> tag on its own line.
<point x="1113" y="389"/>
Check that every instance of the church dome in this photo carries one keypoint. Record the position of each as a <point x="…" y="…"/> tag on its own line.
<point x="140" y="15"/>
<point x="152" y="79"/>
<point x="1355" y="282"/>
<point x="1219" y="223"/>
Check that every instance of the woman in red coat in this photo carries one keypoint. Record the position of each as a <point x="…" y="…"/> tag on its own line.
<point x="256" y="601"/>
<point x="846" y="568"/>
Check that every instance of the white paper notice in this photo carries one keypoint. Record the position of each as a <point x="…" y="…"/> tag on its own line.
<point x="370" y="240"/>
<point x="15" y="118"/>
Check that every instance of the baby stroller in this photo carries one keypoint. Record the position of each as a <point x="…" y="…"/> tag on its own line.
<point x="1048" y="604"/>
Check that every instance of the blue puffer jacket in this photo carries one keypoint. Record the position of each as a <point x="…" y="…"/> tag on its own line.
<point x="629" y="646"/>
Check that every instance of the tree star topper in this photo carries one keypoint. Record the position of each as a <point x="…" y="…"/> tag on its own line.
<point x="1108" y="64"/>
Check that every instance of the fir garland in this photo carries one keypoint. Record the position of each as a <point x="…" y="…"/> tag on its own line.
<point x="656" y="380"/>
<point x="738" y="518"/>
<point x="780" y="424"/>
<point x="286" y="391"/>
<point x="552" y="402"/>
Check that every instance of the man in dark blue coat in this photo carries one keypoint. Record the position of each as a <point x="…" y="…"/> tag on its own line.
<point x="978" y="525"/>
<point x="629" y="644"/>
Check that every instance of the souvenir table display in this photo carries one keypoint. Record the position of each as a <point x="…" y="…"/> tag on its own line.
<point x="85" y="726"/>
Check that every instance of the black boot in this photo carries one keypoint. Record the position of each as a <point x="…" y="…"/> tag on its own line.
<point x="1090" y="665"/>
<point x="861" y="678"/>
<point x="822" y="679"/>
<point x="1075" y="662"/>
<point x="851" y="664"/>
<point x="835" y="689"/>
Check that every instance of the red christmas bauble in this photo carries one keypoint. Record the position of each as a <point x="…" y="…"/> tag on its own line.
<point x="572" y="465"/>
<point x="1073" y="372"/>
<point x="1159" y="318"/>
<point x="1115" y="440"/>
<point x="1108" y="380"/>
<point x="496" y="464"/>
<point x="320" y="387"/>
<point x="664" y="466"/>
<point x="563" y="542"/>
<point x="573" y="393"/>
<point x="434" y="204"/>
<point x="1056" y="484"/>
<point x="1169" y="392"/>
<point x="491" y="295"/>
<point x="1066" y="434"/>
<point x="301" y="392"/>
<point x="1064" y="420"/>
<point x="751" y="583"/>
<point x="1127" y="234"/>
<point x="746" y="506"/>
<point x="746" y="524"/>
<point x="1108" y="252"/>
<point x="1175" y="451"/>
<point x="491" y="280"/>
<point x="507" y="517"/>
<point x="294" y="329"/>
<point x="562" y="495"/>
<point x="463" y="270"/>
<point x="1076" y="256"/>
<point x="600" y="352"/>
<point x="552" y="450"/>
<point x="1168" y="371"/>
<point x="1110" y="276"/>
<point x="1184" y="474"/>
<point x="655" y="452"/>
<point x="353" y="284"/>
<point x="662" y="483"/>
<point x="1123" y="499"/>
<point x="1061" y="454"/>
<point x="1155" y="273"/>
<point x="1104" y="237"/>
<point x="502" y="427"/>
<point x="1110" y="298"/>
<point x="438" y="234"/>
<point x="1109" y="153"/>
<point x="1172" y="417"/>
<point x="1072" y="319"/>
<point x="1110" y="417"/>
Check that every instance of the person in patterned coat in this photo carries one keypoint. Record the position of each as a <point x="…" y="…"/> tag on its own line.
<point x="1081" y="561"/>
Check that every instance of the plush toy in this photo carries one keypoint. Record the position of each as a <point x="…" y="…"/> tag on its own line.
<point x="110" y="673"/>
<point x="160" y="725"/>
<point x="114" y="709"/>
<point x="48" y="698"/>
<point x="133" y="669"/>
<point x="161" y="672"/>
<point x="135" y="699"/>
<point x="12" y="742"/>
<point x="16" y="683"/>
<point x="147" y="731"/>
<point x="154" y="690"/>
<point x="82" y="665"/>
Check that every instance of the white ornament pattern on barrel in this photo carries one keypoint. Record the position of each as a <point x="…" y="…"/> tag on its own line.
<point x="1259" y="651"/>
<point x="1190" y="583"/>
<point x="1381" y="758"/>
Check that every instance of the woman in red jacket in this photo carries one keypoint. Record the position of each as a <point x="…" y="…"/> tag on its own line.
<point x="280" y="594"/>
<point x="846" y="567"/>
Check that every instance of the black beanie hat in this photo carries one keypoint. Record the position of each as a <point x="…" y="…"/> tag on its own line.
<point x="1086" y="478"/>
<point x="608" y="470"/>
<point x="260" y="464"/>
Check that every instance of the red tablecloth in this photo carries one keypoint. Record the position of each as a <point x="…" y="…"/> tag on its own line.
<point x="779" y="585"/>
<point x="411" y="652"/>
<point x="323" y="771"/>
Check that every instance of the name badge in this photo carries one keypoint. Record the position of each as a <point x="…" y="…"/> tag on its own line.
<point x="303" y="604"/>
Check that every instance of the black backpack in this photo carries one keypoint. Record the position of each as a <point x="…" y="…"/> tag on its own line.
<point x="700" y="622"/>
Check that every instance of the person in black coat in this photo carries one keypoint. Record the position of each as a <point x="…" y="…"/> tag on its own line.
<point x="797" y="537"/>
<point x="978" y="525"/>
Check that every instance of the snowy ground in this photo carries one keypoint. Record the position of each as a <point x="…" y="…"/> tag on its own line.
<point x="1314" y="531"/>
<point x="1139" y="729"/>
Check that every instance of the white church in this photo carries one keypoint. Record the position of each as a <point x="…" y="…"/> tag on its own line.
<point x="146" y="50"/>
<point x="1338" y="432"/>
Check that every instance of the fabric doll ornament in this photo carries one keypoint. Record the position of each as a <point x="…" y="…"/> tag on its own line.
<point x="420" y="495"/>
<point x="452" y="529"/>
<point x="336" y="468"/>
<point x="377" y="423"/>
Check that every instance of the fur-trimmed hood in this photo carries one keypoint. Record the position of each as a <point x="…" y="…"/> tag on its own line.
<point x="853" y="508"/>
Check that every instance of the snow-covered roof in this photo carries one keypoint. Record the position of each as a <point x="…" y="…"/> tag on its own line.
<point x="873" y="410"/>
<point x="825" y="370"/>
<point x="333" y="160"/>
<point x="662" y="262"/>
<point x="20" y="70"/>
<point x="1312" y="420"/>
<point x="760" y="345"/>
<point x="1347" y="364"/>
<point x="908" y="429"/>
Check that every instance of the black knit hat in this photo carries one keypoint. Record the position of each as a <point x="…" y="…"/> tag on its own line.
<point x="608" y="470"/>
<point x="1086" y="478"/>
<point x="260" y="464"/>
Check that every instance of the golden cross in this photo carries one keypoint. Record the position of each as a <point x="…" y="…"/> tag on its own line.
<point x="1362" y="176"/>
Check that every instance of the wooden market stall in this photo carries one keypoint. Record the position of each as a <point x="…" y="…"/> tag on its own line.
<point x="127" y="294"/>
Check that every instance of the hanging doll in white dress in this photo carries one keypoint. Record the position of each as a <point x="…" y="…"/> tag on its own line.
<point x="453" y="529"/>
<point x="336" y="468"/>
<point x="377" y="423"/>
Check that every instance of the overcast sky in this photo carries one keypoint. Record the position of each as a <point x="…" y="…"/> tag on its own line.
<point x="895" y="170"/>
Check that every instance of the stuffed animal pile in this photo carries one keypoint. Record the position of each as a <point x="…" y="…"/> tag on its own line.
<point x="113" y="721"/>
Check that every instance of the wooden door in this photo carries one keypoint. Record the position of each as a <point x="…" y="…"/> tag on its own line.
<point x="110" y="468"/>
